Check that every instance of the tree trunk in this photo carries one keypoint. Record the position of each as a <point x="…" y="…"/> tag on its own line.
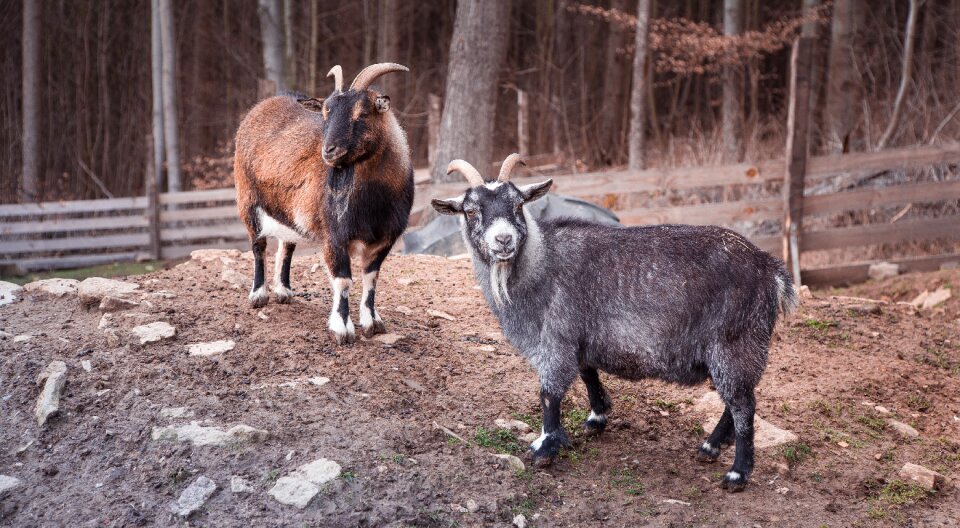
<point x="732" y="110"/>
<point x="30" y="190"/>
<point x="561" y="46"/>
<point x="169" y="90"/>
<point x="388" y="45"/>
<point x="156" y="56"/>
<point x="909" y="36"/>
<point x="636" y="159"/>
<point x="272" y="35"/>
<point x="844" y="89"/>
<point x="477" y="50"/>
<point x="314" y="36"/>
<point x="614" y="98"/>
<point x="289" y="47"/>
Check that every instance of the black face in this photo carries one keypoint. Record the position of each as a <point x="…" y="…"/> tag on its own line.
<point x="352" y="124"/>
<point x="495" y="225"/>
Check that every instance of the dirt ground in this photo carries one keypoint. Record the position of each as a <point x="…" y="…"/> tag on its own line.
<point x="95" y="463"/>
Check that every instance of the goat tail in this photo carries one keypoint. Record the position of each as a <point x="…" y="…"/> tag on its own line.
<point x="787" y="298"/>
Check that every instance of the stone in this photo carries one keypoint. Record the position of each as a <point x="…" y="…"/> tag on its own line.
<point x="865" y="309"/>
<point x="212" y="348"/>
<point x="804" y="292"/>
<point x="881" y="409"/>
<point x="318" y="472"/>
<point x="8" y="483"/>
<point x="675" y="501"/>
<point x="512" y="425"/>
<point x="883" y="270"/>
<point x="233" y="277"/>
<point x="110" y="304"/>
<point x="927" y="299"/>
<point x="388" y="339"/>
<point x="199" y="435"/>
<point x="94" y="289"/>
<point x="239" y="484"/>
<point x="53" y="287"/>
<point x="153" y="332"/>
<point x="484" y="348"/>
<point x="472" y="506"/>
<point x="86" y="365"/>
<point x="510" y="462"/>
<point x="441" y="315"/>
<point x="903" y="429"/>
<point x="921" y="476"/>
<point x="319" y="381"/>
<point x="54" y="377"/>
<point x="8" y="292"/>
<point x="530" y="437"/>
<point x="766" y="434"/>
<point x="520" y="521"/>
<point x="22" y="338"/>
<point x="194" y="497"/>
<point x="415" y="385"/>
<point x="294" y="491"/>
<point x="172" y="413"/>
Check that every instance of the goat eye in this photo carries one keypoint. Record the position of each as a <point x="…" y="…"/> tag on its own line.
<point x="471" y="214"/>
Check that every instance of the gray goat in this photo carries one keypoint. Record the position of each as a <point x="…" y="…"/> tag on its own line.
<point x="674" y="302"/>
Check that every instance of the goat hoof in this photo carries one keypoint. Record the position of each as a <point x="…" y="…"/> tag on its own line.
<point x="594" y="427"/>
<point x="344" y="339"/>
<point x="284" y="295"/>
<point x="734" y="482"/>
<point x="376" y="328"/>
<point x="259" y="297"/>
<point x="707" y="453"/>
<point x="543" y="461"/>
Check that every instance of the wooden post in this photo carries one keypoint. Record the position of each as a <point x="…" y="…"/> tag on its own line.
<point x="152" y="184"/>
<point x="798" y="119"/>
<point x="523" y="131"/>
<point x="433" y="127"/>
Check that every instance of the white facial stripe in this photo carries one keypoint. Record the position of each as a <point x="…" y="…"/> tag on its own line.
<point x="269" y="226"/>
<point x="539" y="441"/>
<point x="500" y="226"/>
<point x="493" y="185"/>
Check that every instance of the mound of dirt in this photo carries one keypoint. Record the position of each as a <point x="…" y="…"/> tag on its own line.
<point x="410" y="418"/>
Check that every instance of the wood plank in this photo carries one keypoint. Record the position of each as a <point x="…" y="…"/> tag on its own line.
<point x="199" y="213"/>
<point x="75" y="206"/>
<point x="93" y="243"/>
<point x="724" y="213"/>
<point x="884" y="160"/>
<point x="847" y="274"/>
<point x="770" y="243"/>
<point x="865" y="235"/>
<point x="67" y="225"/>
<point x="72" y="261"/>
<point x="234" y="230"/>
<point x="880" y="196"/>
<point x="209" y="195"/>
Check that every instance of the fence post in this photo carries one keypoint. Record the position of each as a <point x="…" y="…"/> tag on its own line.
<point x="153" y="202"/>
<point x="798" y="119"/>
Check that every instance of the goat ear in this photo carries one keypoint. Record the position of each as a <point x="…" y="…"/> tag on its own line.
<point x="450" y="206"/>
<point x="312" y="104"/>
<point x="383" y="103"/>
<point x="535" y="191"/>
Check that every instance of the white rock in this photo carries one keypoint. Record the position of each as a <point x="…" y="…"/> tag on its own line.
<point x="193" y="498"/>
<point x="927" y="299"/>
<point x="212" y="348"/>
<point x="87" y="366"/>
<point x="318" y="472"/>
<point x="388" y="339"/>
<point x="766" y="434"/>
<point x="441" y="315"/>
<point x="54" y="287"/>
<point x="163" y="294"/>
<point x="294" y="491"/>
<point x="200" y="435"/>
<point x="111" y="304"/>
<point x="175" y="412"/>
<point x="92" y="290"/>
<point x="881" y="409"/>
<point x="926" y="478"/>
<point x="54" y="377"/>
<point x="530" y="437"/>
<point x="239" y="484"/>
<point x="883" y="270"/>
<point x="511" y="462"/>
<point x="8" y="292"/>
<point x="22" y="338"/>
<point x="520" y="521"/>
<point x="319" y="381"/>
<point x="675" y="501"/>
<point x="512" y="425"/>
<point x="233" y="277"/>
<point x="153" y="332"/>
<point x="472" y="506"/>
<point x="8" y="483"/>
<point x="903" y="429"/>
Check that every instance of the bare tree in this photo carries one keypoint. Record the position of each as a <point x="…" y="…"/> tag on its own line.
<point x="388" y="43"/>
<point x="169" y="77"/>
<point x="312" y="54"/>
<point x="271" y="20"/>
<point x="732" y="110"/>
<point x="477" y="50"/>
<point x="31" y="101"/>
<point x="615" y="84"/>
<point x="909" y="35"/>
<point x="289" y="46"/>
<point x="637" y="156"/>
<point x="844" y="89"/>
<point x="156" y="57"/>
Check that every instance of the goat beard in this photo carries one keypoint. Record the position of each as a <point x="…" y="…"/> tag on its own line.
<point x="499" y="276"/>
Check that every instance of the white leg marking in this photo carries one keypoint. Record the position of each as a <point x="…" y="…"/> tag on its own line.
<point x="366" y="316"/>
<point x="539" y="441"/>
<point x="706" y="446"/>
<point x="282" y="292"/>
<point x="342" y="329"/>
<point x="733" y="475"/>
<point x="594" y="417"/>
<point x="259" y="296"/>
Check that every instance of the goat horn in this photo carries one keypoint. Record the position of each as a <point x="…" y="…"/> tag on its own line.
<point x="369" y="74"/>
<point x="469" y="172"/>
<point x="507" y="167"/>
<point x="337" y="73"/>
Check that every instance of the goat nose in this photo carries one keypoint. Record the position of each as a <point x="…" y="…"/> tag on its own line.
<point x="329" y="149"/>
<point x="504" y="238"/>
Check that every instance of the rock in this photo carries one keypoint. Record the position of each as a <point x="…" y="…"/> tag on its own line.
<point x="239" y="484"/>
<point x="903" y="429"/>
<point x="294" y="491"/>
<point x="193" y="498"/>
<point x="865" y="309"/>
<point x="927" y="300"/>
<point x="163" y="294"/>
<point x="209" y="255"/>
<point x="54" y="287"/>
<point x="153" y="332"/>
<point x="94" y="289"/>
<point x="8" y="292"/>
<point x="881" y="409"/>
<point x="86" y="365"/>
<point x="404" y="310"/>
<point x="318" y="472"/>
<point x="415" y="385"/>
<point x="675" y="501"/>
<point x="511" y="462"/>
<point x="530" y="437"/>
<point x="212" y="348"/>
<point x="54" y="377"/>
<point x="319" y="381"/>
<point x="926" y="478"/>
<point x="484" y="348"/>
<point x="8" y="483"/>
<point x="110" y="304"/>
<point x="236" y="279"/>
<point x="512" y="425"/>
<point x="804" y="292"/>
<point x="388" y="339"/>
<point x="520" y="521"/>
<point x="22" y="338"/>
<point x="883" y="270"/>
<point x="765" y="433"/>
<point x="472" y="506"/>
<point x="172" y="413"/>
<point x="199" y="435"/>
<point x="441" y="315"/>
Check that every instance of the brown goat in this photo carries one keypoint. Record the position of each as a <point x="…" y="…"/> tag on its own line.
<point x="336" y="171"/>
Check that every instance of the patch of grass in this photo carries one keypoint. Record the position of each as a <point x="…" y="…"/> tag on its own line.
<point x="872" y="422"/>
<point x="453" y="441"/>
<point x="573" y="419"/>
<point x="785" y="408"/>
<point x="693" y="492"/>
<point x="177" y="476"/>
<point x="816" y="477"/>
<point x="796" y="452"/>
<point x="524" y="507"/>
<point x="821" y="325"/>
<point x="666" y="405"/>
<point x="697" y="430"/>
<point x="918" y="402"/>
<point x="118" y="269"/>
<point x="398" y="458"/>
<point x="625" y="479"/>
<point x="834" y="436"/>
<point x="833" y="410"/>
<point x="899" y="492"/>
<point x="500" y="440"/>
<point x="349" y="476"/>
<point x="271" y="475"/>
